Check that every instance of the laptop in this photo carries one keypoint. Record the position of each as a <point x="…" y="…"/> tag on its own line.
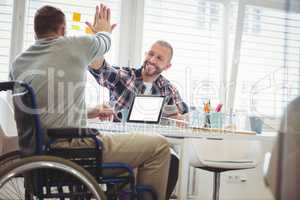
<point x="146" y="109"/>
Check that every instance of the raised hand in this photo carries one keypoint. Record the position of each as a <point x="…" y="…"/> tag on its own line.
<point x="101" y="20"/>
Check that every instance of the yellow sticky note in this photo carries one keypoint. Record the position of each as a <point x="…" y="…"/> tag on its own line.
<point x="88" y="30"/>
<point x="75" y="27"/>
<point x="76" y="17"/>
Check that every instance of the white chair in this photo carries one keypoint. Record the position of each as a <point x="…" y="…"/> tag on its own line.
<point x="223" y="155"/>
<point x="8" y="130"/>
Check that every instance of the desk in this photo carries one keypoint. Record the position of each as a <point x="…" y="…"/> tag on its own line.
<point x="176" y="136"/>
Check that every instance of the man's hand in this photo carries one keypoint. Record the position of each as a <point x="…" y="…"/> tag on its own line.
<point x="103" y="112"/>
<point x="101" y="20"/>
<point x="181" y="120"/>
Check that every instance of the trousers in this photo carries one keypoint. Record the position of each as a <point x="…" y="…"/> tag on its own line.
<point x="173" y="174"/>
<point x="148" y="153"/>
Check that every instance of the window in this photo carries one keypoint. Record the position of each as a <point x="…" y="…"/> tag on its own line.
<point x="202" y="33"/>
<point x="6" y="10"/>
<point x="195" y="30"/>
<point x="86" y="9"/>
<point x="269" y="74"/>
<point x="95" y="94"/>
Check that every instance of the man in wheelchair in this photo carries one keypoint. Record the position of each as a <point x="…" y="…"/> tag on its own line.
<point x="55" y="67"/>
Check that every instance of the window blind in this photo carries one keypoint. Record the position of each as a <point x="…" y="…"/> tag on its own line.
<point x="86" y="9"/>
<point x="6" y="9"/>
<point x="269" y="73"/>
<point x="95" y="94"/>
<point x="194" y="29"/>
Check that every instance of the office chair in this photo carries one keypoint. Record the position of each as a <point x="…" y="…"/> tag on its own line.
<point x="219" y="156"/>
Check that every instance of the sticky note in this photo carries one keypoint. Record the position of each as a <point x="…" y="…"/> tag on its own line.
<point x="75" y="27"/>
<point x="88" y="30"/>
<point x="76" y="17"/>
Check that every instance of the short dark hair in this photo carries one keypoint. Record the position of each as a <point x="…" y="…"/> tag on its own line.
<point x="48" y="19"/>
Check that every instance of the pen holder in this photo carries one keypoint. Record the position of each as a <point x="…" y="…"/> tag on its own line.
<point x="256" y="124"/>
<point x="214" y="120"/>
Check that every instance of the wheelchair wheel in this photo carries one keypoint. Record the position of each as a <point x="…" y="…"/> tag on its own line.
<point x="9" y="158"/>
<point x="14" y="180"/>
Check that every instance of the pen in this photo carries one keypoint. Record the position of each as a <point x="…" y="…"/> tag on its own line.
<point x="219" y="107"/>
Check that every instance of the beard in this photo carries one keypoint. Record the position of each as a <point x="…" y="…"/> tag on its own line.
<point x="149" y="71"/>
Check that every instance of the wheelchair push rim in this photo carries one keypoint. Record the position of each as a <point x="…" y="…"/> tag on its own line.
<point x="50" y="162"/>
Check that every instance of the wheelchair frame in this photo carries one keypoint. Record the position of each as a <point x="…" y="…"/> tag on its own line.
<point x="88" y="168"/>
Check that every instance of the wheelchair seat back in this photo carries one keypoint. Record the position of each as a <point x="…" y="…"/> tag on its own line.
<point x="34" y="140"/>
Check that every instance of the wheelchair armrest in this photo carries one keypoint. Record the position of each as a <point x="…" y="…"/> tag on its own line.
<point x="85" y="156"/>
<point x="7" y="85"/>
<point x="70" y="133"/>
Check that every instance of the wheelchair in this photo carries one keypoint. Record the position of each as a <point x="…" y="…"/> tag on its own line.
<point x="39" y="171"/>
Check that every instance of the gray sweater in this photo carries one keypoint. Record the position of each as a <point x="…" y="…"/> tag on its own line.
<point x="56" y="69"/>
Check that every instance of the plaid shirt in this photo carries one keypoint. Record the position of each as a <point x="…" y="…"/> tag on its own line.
<point x="124" y="83"/>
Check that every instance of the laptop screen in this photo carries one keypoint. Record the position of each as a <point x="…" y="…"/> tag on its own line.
<point x="146" y="109"/>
